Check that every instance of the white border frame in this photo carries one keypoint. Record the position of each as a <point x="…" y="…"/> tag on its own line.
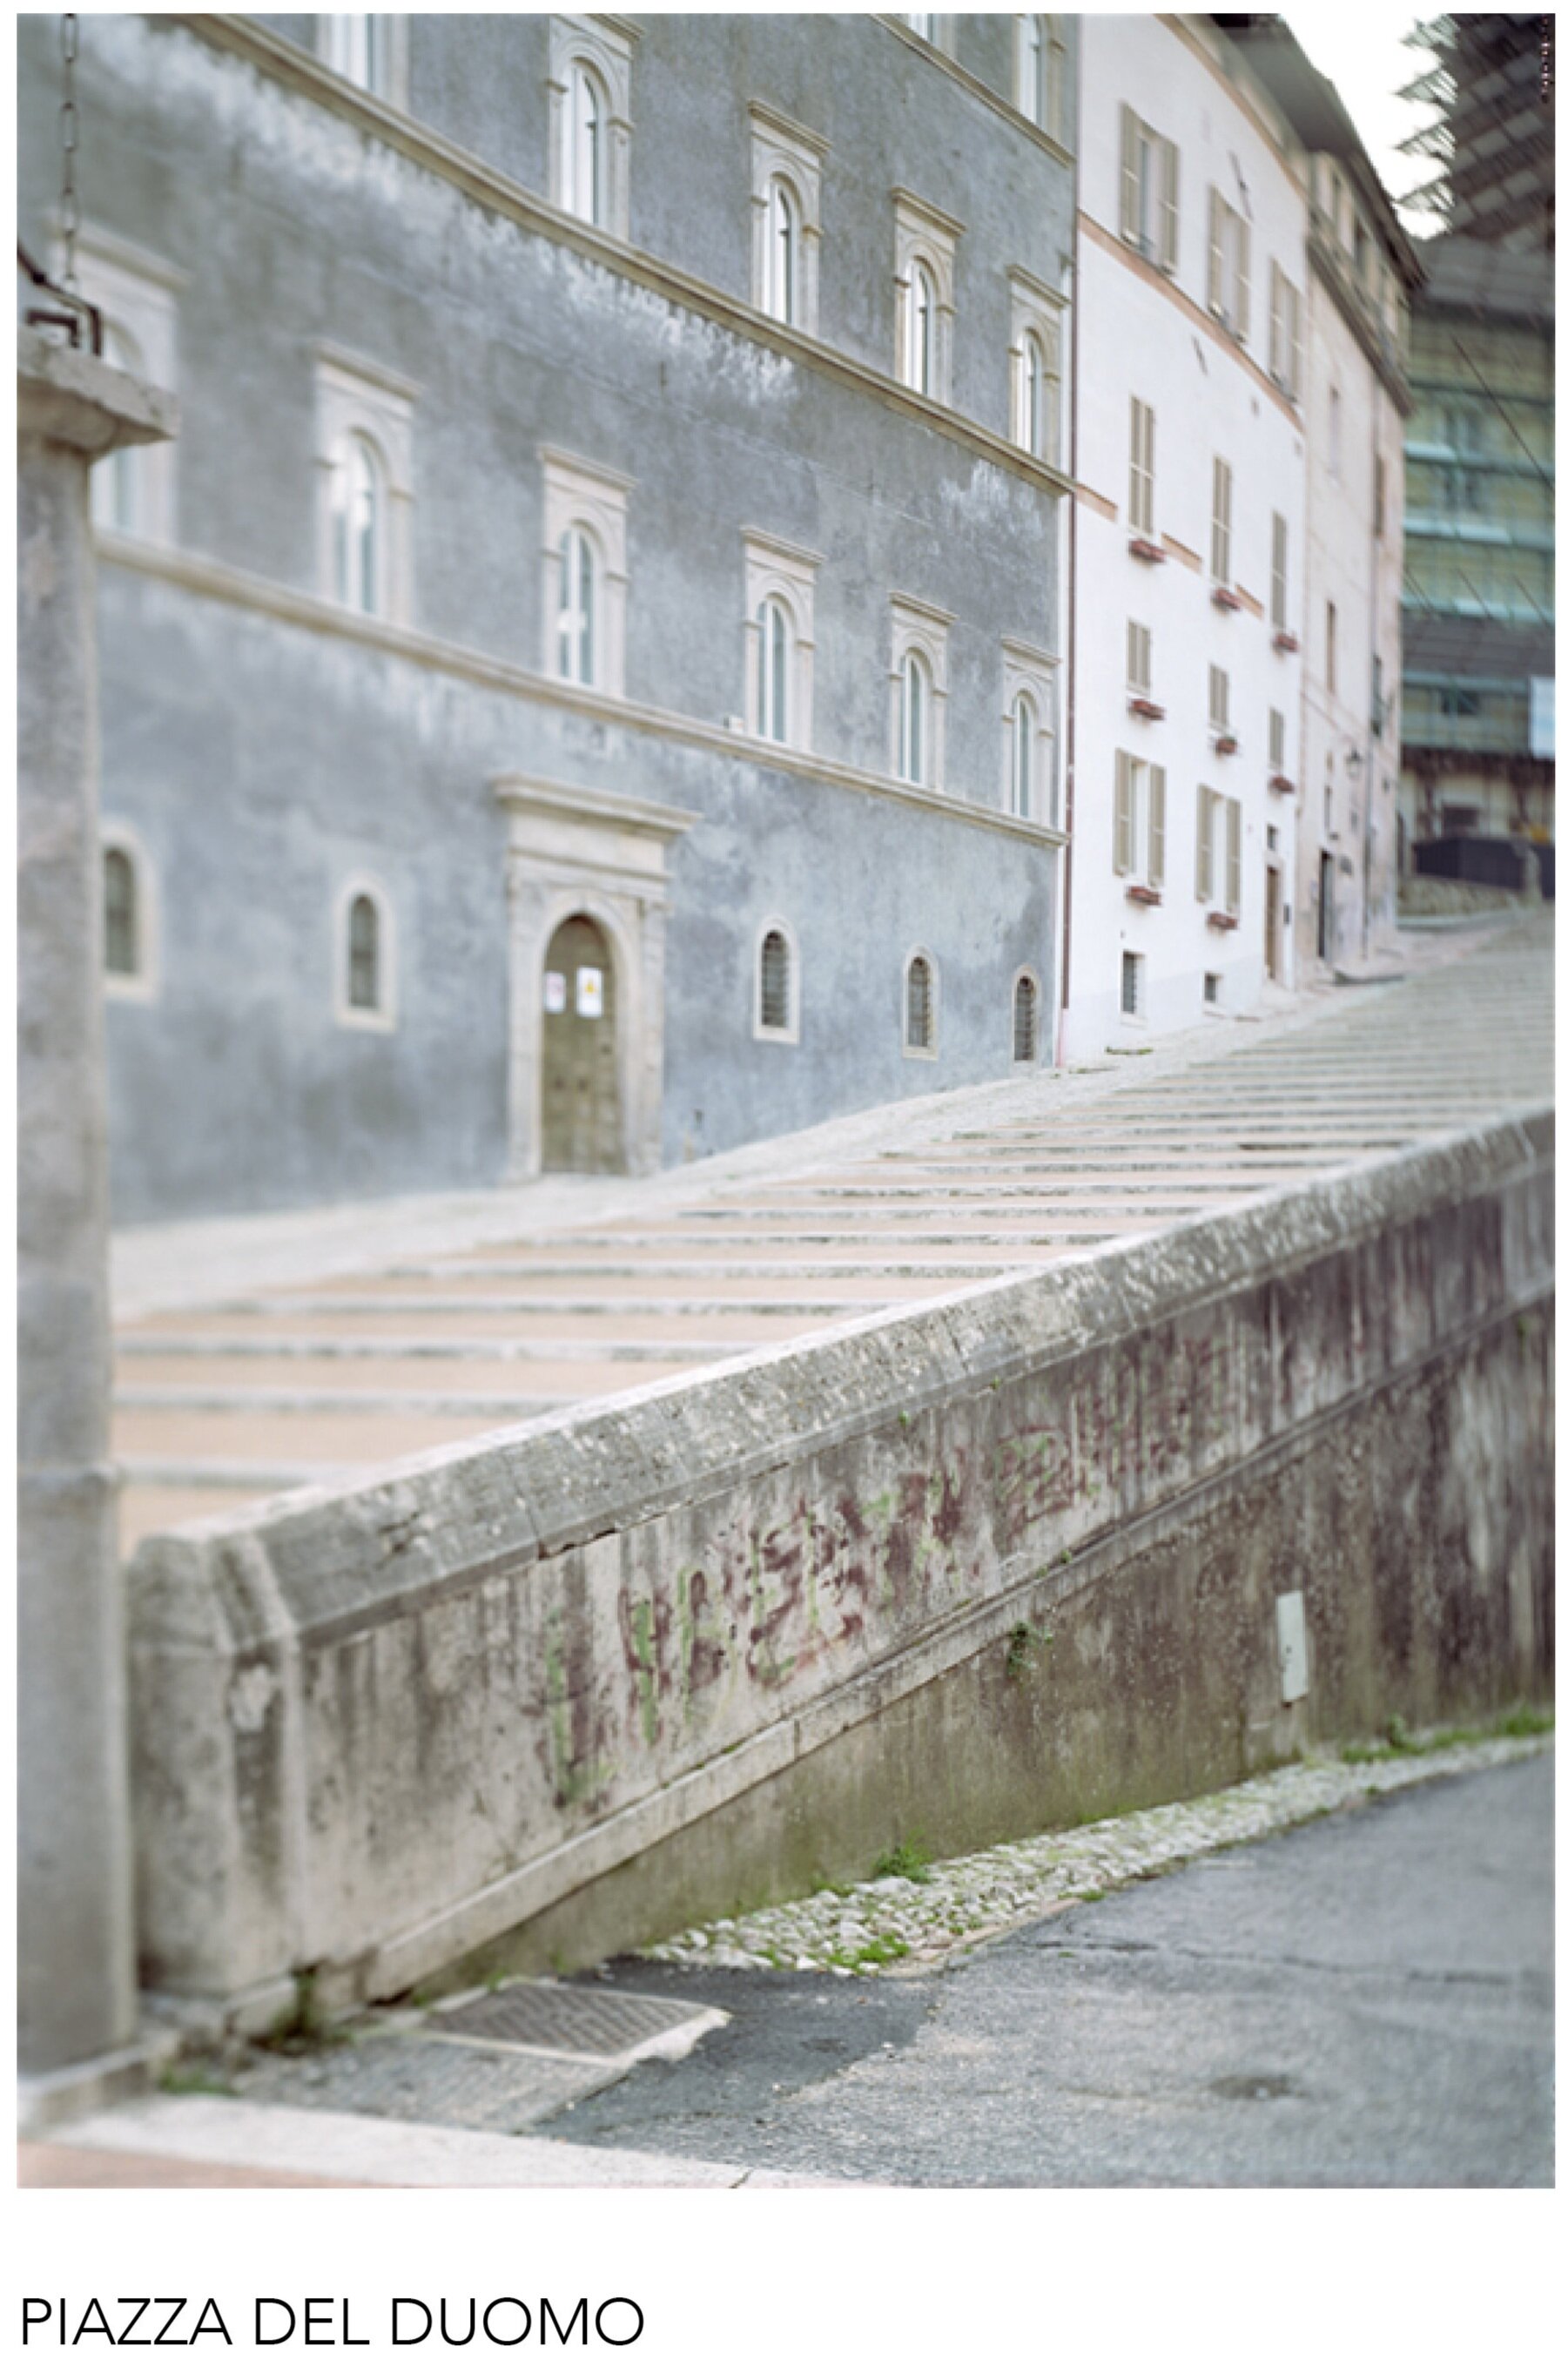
<point x="780" y="570"/>
<point x="358" y="397"/>
<point x="1035" y="670"/>
<point x="916" y="624"/>
<point x="923" y="233"/>
<point x="397" y="30"/>
<point x="136" y="290"/>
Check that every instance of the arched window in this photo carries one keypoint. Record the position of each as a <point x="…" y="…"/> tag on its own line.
<point x="920" y="1006"/>
<point x="773" y="654"/>
<point x="359" y="526"/>
<point x="365" y="954"/>
<point x="914" y="718"/>
<point x="118" y="501"/>
<point x="1025" y="1019"/>
<point x="920" y="330"/>
<point x="122" y="926"/>
<point x="356" y="48"/>
<point x="1025" y="724"/>
<point x="783" y="250"/>
<point x="774" y="985"/>
<point x="576" y="655"/>
<point x="582" y="180"/>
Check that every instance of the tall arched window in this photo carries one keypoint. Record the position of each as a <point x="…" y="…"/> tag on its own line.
<point x="914" y="718"/>
<point x="122" y="932"/>
<point x="364" y="955"/>
<point x="1025" y="724"/>
<point x="116" y="481"/>
<point x="1034" y="403"/>
<point x="359" y="526"/>
<point x="920" y="330"/>
<point x="356" y="48"/>
<point x="576" y="653"/>
<point x="773" y="654"/>
<point x="783" y="250"/>
<point x="920" y="1006"/>
<point x="582" y="183"/>
<point x="1025" y="1019"/>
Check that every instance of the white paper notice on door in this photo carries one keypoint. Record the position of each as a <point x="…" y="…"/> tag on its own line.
<point x="555" y="989"/>
<point x="591" y="994"/>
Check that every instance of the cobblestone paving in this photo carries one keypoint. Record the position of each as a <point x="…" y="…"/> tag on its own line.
<point x="907" y="1923"/>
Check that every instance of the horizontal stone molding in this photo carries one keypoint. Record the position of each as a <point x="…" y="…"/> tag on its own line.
<point x="272" y="54"/>
<point x="380" y="1725"/>
<point x="213" y="579"/>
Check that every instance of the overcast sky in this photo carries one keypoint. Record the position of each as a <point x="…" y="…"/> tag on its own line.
<point x="1361" y="50"/>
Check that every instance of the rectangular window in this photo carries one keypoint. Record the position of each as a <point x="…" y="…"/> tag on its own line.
<point x="1139" y="841"/>
<point x="1279" y="609"/>
<point x="1230" y="243"/>
<point x="1149" y="191"/>
<point x="1140" y="489"/>
<point x="1219" y="701"/>
<point x="1285" y="333"/>
<point x="1156" y="866"/>
<point x="1378" y="708"/>
<point x="1211" y="986"/>
<point x="1276" y="740"/>
<point x="1139" y="673"/>
<point x="1380" y="494"/>
<point x="1132" y="985"/>
<point x="1220" y="524"/>
<point x="1331" y="657"/>
<point x="1205" y="872"/>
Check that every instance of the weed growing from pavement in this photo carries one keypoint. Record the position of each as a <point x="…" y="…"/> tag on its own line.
<point x="906" y="1861"/>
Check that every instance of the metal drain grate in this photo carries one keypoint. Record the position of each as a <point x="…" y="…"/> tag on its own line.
<point x="604" y="2025"/>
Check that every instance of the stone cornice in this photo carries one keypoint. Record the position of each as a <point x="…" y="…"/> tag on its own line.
<point x="212" y="579"/>
<point x="299" y="71"/>
<point x="1200" y="319"/>
<point x="1325" y="262"/>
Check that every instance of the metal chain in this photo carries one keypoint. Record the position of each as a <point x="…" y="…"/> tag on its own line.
<point x="70" y="203"/>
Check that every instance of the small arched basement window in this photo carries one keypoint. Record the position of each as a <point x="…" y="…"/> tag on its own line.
<point x="364" y="977"/>
<point x="920" y="1006"/>
<point x="1025" y="1021"/>
<point x="122" y="926"/>
<point x="774" y="985"/>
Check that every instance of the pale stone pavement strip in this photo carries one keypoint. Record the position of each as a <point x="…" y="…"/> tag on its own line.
<point x="900" y="1923"/>
<point x="264" y="1356"/>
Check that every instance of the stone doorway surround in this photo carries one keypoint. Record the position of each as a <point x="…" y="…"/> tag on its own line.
<point x="575" y="849"/>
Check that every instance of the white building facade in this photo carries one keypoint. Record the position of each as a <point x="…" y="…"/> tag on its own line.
<point x="1188" y="557"/>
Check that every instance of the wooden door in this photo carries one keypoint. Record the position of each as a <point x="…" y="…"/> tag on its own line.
<point x="1272" y="922"/>
<point x="581" y="1121"/>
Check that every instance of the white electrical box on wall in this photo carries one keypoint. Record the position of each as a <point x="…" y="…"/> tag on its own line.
<point x="1290" y="1610"/>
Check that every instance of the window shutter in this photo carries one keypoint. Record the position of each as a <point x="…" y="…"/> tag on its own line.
<point x="1243" y="277"/>
<point x="1157" y="826"/>
<point x="1277" y="583"/>
<point x="1276" y="343"/>
<point x="1232" y="854"/>
<point x="1297" y="378"/>
<point x="1169" y="208"/>
<point x="1123" y="839"/>
<point x="1205" y="845"/>
<point x="1129" y="173"/>
<point x="1216" y="252"/>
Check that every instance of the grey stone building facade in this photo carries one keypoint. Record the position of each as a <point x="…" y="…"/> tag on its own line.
<point x="582" y="691"/>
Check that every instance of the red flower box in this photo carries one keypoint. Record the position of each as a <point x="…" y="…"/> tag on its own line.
<point x="1224" y="599"/>
<point x="1144" y="896"/>
<point x="1145" y="707"/>
<point x="1141" y="547"/>
<point x="1287" y="642"/>
<point x="1224" y="920"/>
<point x="1226" y="744"/>
<point x="1286" y="786"/>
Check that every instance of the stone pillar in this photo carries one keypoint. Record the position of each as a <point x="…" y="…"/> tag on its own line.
<point x="76" y="1982"/>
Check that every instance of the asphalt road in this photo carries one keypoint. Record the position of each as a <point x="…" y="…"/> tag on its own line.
<point x="1366" y="2000"/>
